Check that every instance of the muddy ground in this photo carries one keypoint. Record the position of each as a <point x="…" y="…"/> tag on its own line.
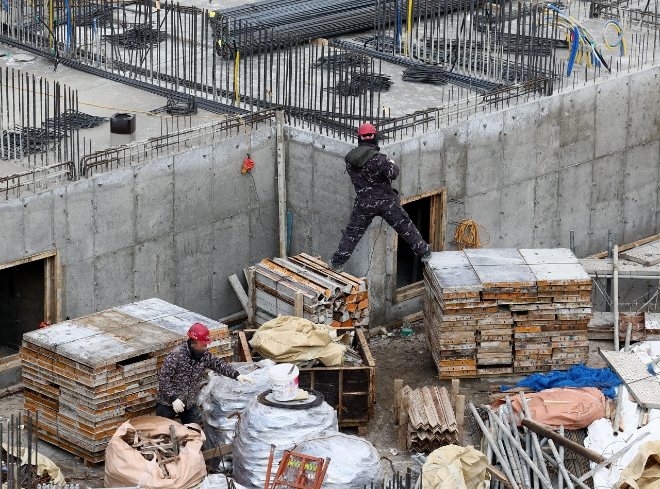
<point x="396" y="357"/>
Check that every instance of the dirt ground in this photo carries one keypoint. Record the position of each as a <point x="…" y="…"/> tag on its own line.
<point x="396" y="357"/>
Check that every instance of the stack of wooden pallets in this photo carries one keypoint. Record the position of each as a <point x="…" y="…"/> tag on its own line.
<point x="431" y="420"/>
<point x="89" y="375"/>
<point x="504" y="311"/>
<point x="325" y="297"/>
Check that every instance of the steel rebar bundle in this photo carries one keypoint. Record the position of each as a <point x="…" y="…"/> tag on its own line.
<point x="21" y="441"/>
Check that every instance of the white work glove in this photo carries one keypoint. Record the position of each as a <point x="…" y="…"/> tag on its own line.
<point x="244" y="378"/>
<point x="178" y="406"/>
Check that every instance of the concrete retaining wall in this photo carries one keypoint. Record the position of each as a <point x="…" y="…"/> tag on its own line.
<point x="176" y="228"/>
<point x="173" y="228"/>
<point x="586" y="160"/>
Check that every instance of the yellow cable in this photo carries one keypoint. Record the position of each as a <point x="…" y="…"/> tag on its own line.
<point x="50" y="20"/>
<point x="236" y="79"/>
<point x="408" y="28"/>
<point x="467" y="235"/>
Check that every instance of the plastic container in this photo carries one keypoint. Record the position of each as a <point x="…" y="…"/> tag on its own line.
<point x="284" y="384"/>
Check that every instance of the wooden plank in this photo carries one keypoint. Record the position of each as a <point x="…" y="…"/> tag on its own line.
<point x="627" y="247"/>
<point x="217" y="451"/>
<point x="240" y="292"/>
<point x="298" y="304"/>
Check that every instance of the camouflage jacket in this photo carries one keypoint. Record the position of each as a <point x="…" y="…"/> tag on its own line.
<point x="371" y="172"/>
<point x="180" y="375"/>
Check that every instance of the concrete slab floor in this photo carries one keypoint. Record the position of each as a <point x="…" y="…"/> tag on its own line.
<point x="98" y="97"/>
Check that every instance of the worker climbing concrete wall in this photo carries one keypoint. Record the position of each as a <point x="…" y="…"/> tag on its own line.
<point x="173" y="228"/>
<point x="584" y="160"/>
<point x="176" y="228"/>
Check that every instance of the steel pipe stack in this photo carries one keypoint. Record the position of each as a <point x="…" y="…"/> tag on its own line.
<point x="326" y="297"/>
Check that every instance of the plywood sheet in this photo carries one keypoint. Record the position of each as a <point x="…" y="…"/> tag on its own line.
<point x="506" y="275"/>
<point x="563" y="273"/>
<point x="647" y="255"/>
<point x="448" y="259"/>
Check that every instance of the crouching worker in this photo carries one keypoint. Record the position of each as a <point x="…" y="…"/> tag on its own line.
<point x="182" y="371"/>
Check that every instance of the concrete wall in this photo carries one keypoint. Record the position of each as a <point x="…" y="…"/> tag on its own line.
<point x="173" y="228"/>
<point x="585" y="160"/>
<point x="176" y="228"/>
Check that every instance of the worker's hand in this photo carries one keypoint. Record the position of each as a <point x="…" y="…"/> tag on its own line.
<point x="244" y="378"/>
<point x="178" y="406"/>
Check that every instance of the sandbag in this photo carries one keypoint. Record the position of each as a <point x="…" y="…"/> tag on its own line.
<point x="354" y="462"/>
<point x="454" y="467"/>
<point x="644" y="470"/>
<point x="125" y="466"/>
<point x="222" y="397"/>
<point x="261" y="426"/>
<point x="290" y="339"/>
<point x="573" y="408"/>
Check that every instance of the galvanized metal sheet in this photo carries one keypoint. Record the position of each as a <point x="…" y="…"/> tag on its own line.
<point x="506" y="275"/>
<point x="464" y="279"/>
<point x="97" y="350"/>
<point x="547" y="256"/>
<point x="68" y="331"/>
<point x="561" y="273"/>
<point x="448" y="259"/>
<point x="643" y="386"/>
<point x="494" y="256"/>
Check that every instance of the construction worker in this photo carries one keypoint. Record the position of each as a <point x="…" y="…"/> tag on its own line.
<point x="181" y="373"/>
<point x="372" y="173"/>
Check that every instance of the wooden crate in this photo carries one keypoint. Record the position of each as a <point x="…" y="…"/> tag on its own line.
<point x="350" y="390"/>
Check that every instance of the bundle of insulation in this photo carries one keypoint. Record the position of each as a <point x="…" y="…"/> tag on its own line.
<point x="222" y="397"/>
<point x="354" y="462"/>
<point x="261" y="426"/>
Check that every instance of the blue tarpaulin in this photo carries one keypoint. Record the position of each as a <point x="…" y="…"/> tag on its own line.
<point x="576" y="376"/>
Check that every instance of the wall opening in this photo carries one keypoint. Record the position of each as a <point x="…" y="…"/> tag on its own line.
<point x="27" y="297"/>
<point x="409" y="266"/>
<point x="428" y="213"/>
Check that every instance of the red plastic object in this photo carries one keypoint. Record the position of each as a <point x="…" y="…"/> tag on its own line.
<point x="43" y="324"/>
<point x="297" y="470"/>
<point x="248" y="164"/>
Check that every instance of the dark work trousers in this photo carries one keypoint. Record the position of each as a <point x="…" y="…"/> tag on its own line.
<point x="364" y="211"/>
<point x="189" y="415"/>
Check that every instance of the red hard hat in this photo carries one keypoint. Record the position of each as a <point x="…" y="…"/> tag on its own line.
<point x="367" y="129"/>
<point x="200" y="333"/>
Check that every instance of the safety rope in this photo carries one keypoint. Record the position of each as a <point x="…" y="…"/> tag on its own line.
<point x="467" y="235"/>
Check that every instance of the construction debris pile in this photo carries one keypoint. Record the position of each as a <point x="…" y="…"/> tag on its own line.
<point x="160" y="449"/>
<point x="431" y="422"/>
<point x="505" y="311"/>
<point x="323" y="296"/>
<point x="155" y="452"/>
<point x="89" y="375"/>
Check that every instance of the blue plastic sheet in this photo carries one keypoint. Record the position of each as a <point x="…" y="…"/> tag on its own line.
<point x="576" y="376"/>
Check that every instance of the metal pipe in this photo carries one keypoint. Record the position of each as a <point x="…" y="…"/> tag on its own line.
<point x="496" y="450"/>
<point x="615" y="276"/>
<point x="535" y="438"/>
<point x="545" y="481"/>
<point x="562" y="468"/>
<point x="608" y="282"/>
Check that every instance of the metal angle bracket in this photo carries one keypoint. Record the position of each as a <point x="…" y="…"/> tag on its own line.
<point x="643" y="386"/>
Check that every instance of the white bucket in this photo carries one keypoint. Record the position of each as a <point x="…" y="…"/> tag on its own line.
<point x="284" y="384"/>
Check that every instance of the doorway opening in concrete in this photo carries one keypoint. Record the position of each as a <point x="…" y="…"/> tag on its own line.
<point x="428" y="212"/>
<point x="28" y="296"/>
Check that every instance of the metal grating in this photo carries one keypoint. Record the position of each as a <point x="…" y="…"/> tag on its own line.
<point x="643" y="386"/>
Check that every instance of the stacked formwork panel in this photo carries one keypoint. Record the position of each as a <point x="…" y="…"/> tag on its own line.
<point x="336" y="299"/>
<point x="89" y="375"/>
<point x="505" y="311"/>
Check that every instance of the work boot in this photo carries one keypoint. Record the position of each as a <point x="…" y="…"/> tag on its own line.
<point x="335" y="267"/>
<point x="426" y="257"/>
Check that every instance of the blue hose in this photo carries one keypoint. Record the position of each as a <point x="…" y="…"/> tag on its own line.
<point x="398" y="24"/>
<point x="574" y="48"/>
<point x="68" y="24"/>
